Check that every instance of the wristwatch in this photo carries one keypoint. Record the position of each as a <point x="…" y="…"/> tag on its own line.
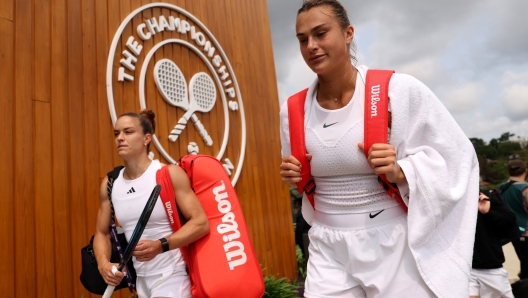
<point x="164" y="244"/>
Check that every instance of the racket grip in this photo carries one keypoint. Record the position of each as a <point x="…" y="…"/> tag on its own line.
<point x="203" y="132"/>
<point x="108" y="292"/>
<point x="175" y="133"/>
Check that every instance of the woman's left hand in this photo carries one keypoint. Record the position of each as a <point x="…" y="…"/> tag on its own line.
<point x="146" y="250"/>
<point x="382" y="158"/>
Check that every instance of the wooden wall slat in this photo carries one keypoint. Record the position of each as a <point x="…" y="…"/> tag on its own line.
<point x="78" y="145"/>
<point x="45" y="265"/>
<point x="42" y="50"/>
<point x="60" y="149"/>
<point x="114" y="19"/>
<point x="274" y="183"/>
<point x="243" y="72"/>
<point x="7" y="247"/>
<point x="103" y="40"/>
<point x="91" y="128"/>
<point x="45" y="254"/>
<point x="24" y="221"/>
<point x="6" y="10"/>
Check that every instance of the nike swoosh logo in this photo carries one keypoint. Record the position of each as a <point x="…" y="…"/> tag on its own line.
<point x="325" y="126"/>
<point x="372" y="216"/>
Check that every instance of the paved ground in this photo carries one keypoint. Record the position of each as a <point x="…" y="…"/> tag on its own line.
<point x="512" y="262"/>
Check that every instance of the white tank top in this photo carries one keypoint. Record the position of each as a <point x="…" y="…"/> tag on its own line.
<point x="129" y="198"/>
<point x="345" y="183"/>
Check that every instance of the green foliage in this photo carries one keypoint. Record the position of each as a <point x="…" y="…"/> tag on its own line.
<point x="508" y="148"/>
<point x="279" y="288"/>
<point x="493" y="158"/>
<point x="301" y="263"/>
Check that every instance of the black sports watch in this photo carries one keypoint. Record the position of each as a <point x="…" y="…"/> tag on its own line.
<point x="164" y="244"/>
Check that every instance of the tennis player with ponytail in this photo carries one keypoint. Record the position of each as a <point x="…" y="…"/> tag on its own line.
<point x="157" y="259"/>
<point x="362" y="242"/>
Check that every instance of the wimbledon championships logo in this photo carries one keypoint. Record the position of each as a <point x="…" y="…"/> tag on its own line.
<point x="169" y="62"/>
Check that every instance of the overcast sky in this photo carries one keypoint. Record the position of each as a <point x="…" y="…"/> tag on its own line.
<point x="473" y="54"/>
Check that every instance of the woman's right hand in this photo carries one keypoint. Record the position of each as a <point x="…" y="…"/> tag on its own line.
<point x="290" y="170"/>
<point x="108" y="276"/>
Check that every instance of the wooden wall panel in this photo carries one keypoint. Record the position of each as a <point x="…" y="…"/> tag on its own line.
<point x="45" y="254"/>
<point x="7" y="109"/>
<point x="57" y="119"/>
<point x="24" y="196"/>
<point x="60" y="151"/>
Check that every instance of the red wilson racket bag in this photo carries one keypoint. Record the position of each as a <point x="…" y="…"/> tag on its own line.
<point x="222" y="263"/>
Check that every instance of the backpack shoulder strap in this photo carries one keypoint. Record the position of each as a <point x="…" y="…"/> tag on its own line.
<point x="505" y="186"/>
<point x="112" y="176"/>
<point x="298" y="142"/>
<point x="376" y="120"/>
<point x="168" y="198"/>
<point x="169" y="204"/>
<point x="376" y="107"/>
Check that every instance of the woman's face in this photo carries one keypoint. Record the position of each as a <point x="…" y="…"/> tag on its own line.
<point x="129" y="138"/>
<point x="324" y="44"/>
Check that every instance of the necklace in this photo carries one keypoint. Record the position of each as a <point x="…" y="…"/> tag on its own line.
<point x="130" y="177"/>
<point x="335" y="98"/>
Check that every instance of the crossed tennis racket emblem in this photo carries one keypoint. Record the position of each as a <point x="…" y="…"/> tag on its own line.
<point x="173" y="88"/>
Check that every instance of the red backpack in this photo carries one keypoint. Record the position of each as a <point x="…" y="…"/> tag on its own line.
<point x="223" y="263"/>
<point x="375" y="123"/>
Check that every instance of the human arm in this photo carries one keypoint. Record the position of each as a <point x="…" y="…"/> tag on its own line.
<point x="102" y="245"/>
<point x="197" y="224"/>
<point x="438" y="160"/>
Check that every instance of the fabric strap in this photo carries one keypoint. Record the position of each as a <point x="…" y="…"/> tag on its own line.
<point x="168" y="198"/>
<point x="113" y="229"/>
<point x="376" y="121"/>
<point x="298" y="144"/>
<point x="506" y="186"/>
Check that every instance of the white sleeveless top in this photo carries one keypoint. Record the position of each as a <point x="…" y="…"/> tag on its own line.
<point x="129" y="198"/>
<point x="345" y="182"/>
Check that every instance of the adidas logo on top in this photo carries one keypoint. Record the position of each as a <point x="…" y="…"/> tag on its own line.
<point x="131" y="191"/>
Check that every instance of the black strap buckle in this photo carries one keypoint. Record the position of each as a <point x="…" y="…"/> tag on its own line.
<point x="309" y="188"/>
<point x="383" y="183"/>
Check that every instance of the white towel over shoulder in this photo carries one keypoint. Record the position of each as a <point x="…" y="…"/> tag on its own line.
<point x="442" y="174"/>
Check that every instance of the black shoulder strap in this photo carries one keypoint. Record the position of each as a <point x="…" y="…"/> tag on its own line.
<point x="112" y="176"/>
<point x="506" y="186"/>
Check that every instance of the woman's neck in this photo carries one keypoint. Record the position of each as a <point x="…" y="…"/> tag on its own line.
<point x="336" y="90"/>
<point x="134" y="169"/>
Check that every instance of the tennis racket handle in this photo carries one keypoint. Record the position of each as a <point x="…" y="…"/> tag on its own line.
<point x="175" y="133"/>
<point x="108" y="292"/>
<point x="203" y="132"/>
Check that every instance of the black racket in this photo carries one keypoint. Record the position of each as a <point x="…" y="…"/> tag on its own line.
<point x="140" y="227"/>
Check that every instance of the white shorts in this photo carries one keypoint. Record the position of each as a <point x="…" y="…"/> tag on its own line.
<point x="490" y="283"/>
<point x="169" y="284"/>
<point x="355" y="255"/>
